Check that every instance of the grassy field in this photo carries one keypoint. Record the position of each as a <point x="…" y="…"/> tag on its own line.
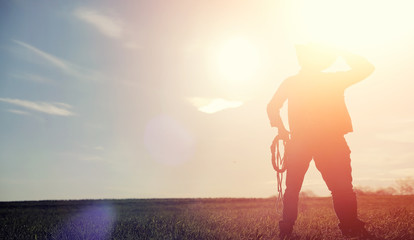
<point x="388" y="217"/>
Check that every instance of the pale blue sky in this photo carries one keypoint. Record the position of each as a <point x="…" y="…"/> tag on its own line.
<point x="104" y="100"/>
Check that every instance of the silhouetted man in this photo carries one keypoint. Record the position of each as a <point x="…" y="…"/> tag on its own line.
<point x="318" y="121"/>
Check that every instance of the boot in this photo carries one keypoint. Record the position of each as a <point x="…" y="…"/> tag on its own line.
<point x="285" y="229"/>
<point x="354" y="229"/>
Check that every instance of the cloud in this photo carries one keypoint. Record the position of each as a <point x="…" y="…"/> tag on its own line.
<point x="32" y="78"/>
<point x="82" y="156"/>
<point x="50" y="58"/>
<point x="213" y="105"/>
<point x="58" y="109"/>
<point x="19" y="112"/>
<point x="106" y="25"/>
<point x="63" y="65"/>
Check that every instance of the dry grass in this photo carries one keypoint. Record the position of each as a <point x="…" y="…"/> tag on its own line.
<point x="388" y="217"/>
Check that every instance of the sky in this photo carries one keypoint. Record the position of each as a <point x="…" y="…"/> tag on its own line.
<point x="167" y="99"/>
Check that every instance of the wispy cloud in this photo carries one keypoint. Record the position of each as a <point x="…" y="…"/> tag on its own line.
<point x="105" y="24"/>
<point x="82" y="156"/>
<point x="65" y="66"/>
<point x="32" y="78"/>
<point x="59" y="109"/>
<point x="100" y="148"/>
<point x="18" y="112"/>
<point x="213" y="105"/>
<point x="48" y="57"/>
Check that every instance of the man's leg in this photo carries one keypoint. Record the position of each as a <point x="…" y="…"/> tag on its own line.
<point x="332" y="158"/>
<point x="297" y="163"/>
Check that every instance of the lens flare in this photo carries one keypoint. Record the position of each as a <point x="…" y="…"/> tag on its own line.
<point x="102" y="217"/>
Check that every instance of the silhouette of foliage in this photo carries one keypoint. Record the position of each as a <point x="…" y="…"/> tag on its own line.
<point x="406" y="186"/>
<point x="307" y="194"/>
<point x="361" y="191"/>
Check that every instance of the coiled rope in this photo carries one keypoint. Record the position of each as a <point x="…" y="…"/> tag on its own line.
<point x="278" y="163"/>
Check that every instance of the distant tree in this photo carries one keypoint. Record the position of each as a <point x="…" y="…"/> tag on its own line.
<point x="405" y="186"/>
<point x="307" y="194"/>
<point x="378" y="191"/>
<point x="385" y="191"/>
<point x="363" y="190"/>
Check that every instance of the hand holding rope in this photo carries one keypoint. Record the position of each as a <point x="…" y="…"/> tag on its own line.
<point x="278" y="163"/>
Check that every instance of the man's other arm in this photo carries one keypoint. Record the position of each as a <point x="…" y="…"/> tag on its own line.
<point x="361" y="68"/>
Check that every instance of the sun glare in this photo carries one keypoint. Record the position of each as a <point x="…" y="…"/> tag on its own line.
<point x="352" y="24"/>
<point x="238" y="59"/>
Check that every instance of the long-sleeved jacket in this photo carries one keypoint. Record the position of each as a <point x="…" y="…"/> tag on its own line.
<point x="316" y="103"/>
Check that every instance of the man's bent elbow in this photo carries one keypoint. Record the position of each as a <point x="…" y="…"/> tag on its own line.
<point x="272" y="113"/>
<point x="368" y="70"/>
<point x="371" y="68"/>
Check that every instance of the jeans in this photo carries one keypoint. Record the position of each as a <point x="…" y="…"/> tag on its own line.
<point x="332" y="158"/>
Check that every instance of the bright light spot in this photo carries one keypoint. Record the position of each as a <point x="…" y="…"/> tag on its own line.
<point x="238" y="59"/>
<point x="352" y="24"/>
<point x="214" y="105"/>
<point x="102" y="217"/>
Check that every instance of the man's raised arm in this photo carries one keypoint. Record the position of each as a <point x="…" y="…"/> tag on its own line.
<point x="361" y="68"/>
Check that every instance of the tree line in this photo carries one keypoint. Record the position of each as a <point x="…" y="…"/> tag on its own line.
<point x="403" y="186"/>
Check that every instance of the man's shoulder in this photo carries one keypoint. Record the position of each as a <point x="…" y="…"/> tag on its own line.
<point x="293" y="77"/>
<point x="290" y="80"/>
